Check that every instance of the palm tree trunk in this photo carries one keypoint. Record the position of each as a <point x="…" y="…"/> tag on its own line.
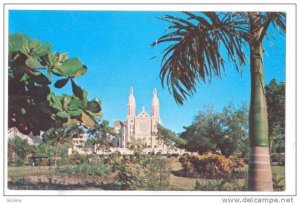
<point x="260" y="173"/>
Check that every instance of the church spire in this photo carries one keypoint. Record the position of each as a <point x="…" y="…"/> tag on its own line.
<point x="155" y="104"/>
<point x="131" y="103"/>
<point x="131" y="91"/>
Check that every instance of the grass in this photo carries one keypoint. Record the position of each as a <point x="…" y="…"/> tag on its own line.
<point x="278" y="170"/>
<point x="176" y="182"/>
<point x="14" y="172"/>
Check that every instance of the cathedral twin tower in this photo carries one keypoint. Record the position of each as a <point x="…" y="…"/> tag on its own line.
<point x="141" y="127"/>
<point x="132" y="106"/>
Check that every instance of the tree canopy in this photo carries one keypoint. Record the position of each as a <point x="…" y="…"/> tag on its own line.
<point x="169" y="137"/>
<point x="275" y="96"/>
<point x="102" y="134"/>
<point x="33" y="107"/>
<point x="211" y="130"/>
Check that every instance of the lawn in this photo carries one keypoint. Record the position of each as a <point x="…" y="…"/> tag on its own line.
<point x="42" y="173"/>
<point x="14" y="172"/>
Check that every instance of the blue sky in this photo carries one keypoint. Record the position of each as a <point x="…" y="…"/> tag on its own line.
<point x="115" y="46"/>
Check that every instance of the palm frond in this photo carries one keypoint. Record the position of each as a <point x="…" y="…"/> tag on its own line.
<point x="194" y="49"/>
<point x="279" y="20"/>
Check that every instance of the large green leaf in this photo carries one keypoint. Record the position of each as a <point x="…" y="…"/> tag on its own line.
<point x="16" y="42"/>
<point x="63" y="115"/>
<point x="55" y="102"/>
<point x="33" y="62"/>
<point x="42" y="50"/>
<point x="75" y="113"/>
<point x="70" y="68"/>
<point x="81" y="71"/>
<point x="74" y="104"/>
<point x="61" y="83"/>
<point x="33" y="44"/>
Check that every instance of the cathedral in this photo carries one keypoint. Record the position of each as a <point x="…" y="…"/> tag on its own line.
<point x="142" y="126"/>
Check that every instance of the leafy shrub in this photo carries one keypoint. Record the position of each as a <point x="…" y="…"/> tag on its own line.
<point x="211" y="165"/>
<point x="115" y="161"/>
<point x="158" y="173"/>
<point x="18" y="151"/>
<point x="188" y="168"/>
<point x="278" y="183"/>
<point x="77" y="159"/>
<point x="144" y="172"/>
<point x="131" y="174"/>
<point x="116" y="154"/>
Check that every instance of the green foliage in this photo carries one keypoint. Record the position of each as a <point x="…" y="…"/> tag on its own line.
<point x="136" y="145"/>
<point x="33" y="107"/>
<point x="46" y="148"/>
<point x="85" y="169"/>
<point x="226" y="130"/>
<point x="144" y="172"/>
<point x="187" y="166"/>
<point x="278" y="159"/>
<point x="101" y="133"/>
<point x="168" y="137"/>
<point x="211" y="166"/>
<point x="158" y="173"/>
<point x="18" y="150"/>
<point x="115" y="161"/>
<point x="193" y="46"/>
<point x="77" y="159"/>
<point x="61" y="135"/>
<point x="278" y="183"/>
<point x="275" y="96"/>
<point x="70" y="68"/>
<point x="227" y="184"/>
<point x="132" y="174"/>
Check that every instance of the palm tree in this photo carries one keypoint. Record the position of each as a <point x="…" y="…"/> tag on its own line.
<point x="194" y="55"/>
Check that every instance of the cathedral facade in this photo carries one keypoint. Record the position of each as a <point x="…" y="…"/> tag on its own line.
<point x="142" y="126"/>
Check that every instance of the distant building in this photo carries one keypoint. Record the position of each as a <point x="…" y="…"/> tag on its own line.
<point x="78" y="143"/>
<point x="142" y="126"/>
<point x="32" y="140"/>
